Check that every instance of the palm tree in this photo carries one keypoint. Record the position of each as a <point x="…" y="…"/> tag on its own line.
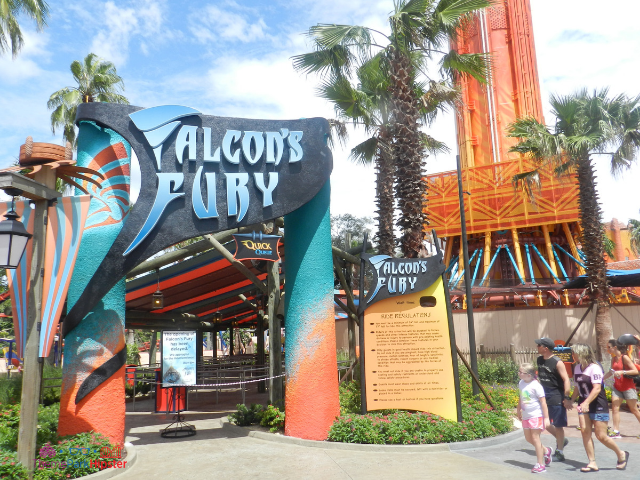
<point x="10" y="32"/>
<point x="586" y="125"/>
<point x="97" y="81"/>
<point x="419" y="30"/>
<point x="366" y="104"/>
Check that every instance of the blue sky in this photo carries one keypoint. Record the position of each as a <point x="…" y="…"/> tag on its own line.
<point x="233" y="59"/>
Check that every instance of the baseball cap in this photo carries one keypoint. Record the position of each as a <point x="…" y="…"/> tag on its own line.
<point x="546" y="342"/>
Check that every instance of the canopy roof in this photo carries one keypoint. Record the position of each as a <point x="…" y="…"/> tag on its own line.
<point x="194" y="290"/>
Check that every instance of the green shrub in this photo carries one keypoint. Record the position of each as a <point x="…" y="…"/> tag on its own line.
<point x="420" y="428"/>
<point x="247" y="416"/>
<point x="10" y="389"/>
<point x="10" y="468"/>
<point x="51" y="377"/>
<point x="491" y="372"/>
<point x="349" y="397"/>
<point x="73" y="456"/>
<point x="10" y="419"/>
<point x="273" y="418"/>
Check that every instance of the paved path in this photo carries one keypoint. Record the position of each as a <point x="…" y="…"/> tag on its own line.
<point x="223" y="451"/>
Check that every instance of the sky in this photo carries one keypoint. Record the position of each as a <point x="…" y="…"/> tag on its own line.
<point x="233" y="59"/>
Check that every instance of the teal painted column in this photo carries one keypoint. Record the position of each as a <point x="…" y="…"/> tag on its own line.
<point x="311" y="397"/>
<point x="100" y="335"/>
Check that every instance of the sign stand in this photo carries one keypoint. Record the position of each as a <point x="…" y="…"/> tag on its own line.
<point x="178" y="428"/>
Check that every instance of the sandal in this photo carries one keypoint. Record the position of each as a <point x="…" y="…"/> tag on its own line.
<point x="622" y="464"/>
<point x="588" y="469"/>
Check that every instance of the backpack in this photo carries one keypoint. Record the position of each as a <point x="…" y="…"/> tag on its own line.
<point x="635" y="378"/>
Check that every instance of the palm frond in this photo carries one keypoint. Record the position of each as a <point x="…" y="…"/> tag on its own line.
<point x="365" y="152"/>
<point x="477" y="65"/>
<point x="336" y="59"/>
<point x="527" y="182"/>
<point x="432" y="145"/>
<point x="337" y="129"/>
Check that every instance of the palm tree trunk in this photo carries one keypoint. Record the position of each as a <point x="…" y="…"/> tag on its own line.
<point x="591" y="219"/>
<point x="384" y="194"/>
<point x="411" y="189"/>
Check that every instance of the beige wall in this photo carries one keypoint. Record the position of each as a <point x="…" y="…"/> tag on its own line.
<point x="499" y="328"/>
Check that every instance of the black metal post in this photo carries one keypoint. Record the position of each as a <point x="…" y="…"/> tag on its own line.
<point x="464" y="247"/>
<point x="363" y="385"/>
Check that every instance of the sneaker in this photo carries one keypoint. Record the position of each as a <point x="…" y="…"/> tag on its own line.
<point x="559" y="456"/>
<point x="614" y="434"/>
<point x="547" y="456"/>
<point x="578" y="427"/>
<point x="538" y="468"/>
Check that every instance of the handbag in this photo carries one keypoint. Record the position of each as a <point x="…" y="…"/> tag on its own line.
<point x="635" y="378"/>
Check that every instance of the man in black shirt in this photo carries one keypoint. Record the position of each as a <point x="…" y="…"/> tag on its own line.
<point x="553" y="377"/>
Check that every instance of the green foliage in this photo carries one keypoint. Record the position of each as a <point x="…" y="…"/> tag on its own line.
<point x="609" y="247"/>
<point x="10" y="389"/>
<point x="421" y="428"/>
<point x="499" y="371"/>
<point x="133" y="354"/>
<point x="69" y="462"/>
<point x="10" y="420"/>
<point x="247" y="416"/>
<point x="273" y="418"/>
<point x="53" y="376"/>
<point x="10" y="468"/>
<point x="341" y="225"/>
<point x="142" y="388"/>
<point x="350" y="397"/>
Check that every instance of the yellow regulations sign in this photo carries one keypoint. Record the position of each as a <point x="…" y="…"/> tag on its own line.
<point x="408" y="357"/>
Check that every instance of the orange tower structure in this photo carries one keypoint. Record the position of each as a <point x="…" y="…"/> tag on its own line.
<point x="521" y="251"/>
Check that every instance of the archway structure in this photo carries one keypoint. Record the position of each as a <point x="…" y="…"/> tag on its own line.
<point x="200" y="175"/>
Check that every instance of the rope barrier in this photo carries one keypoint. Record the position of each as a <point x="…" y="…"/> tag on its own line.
<point x="214" y="384"/>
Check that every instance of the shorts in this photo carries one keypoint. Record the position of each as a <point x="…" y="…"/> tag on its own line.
<point x="557" y="415"/>
<point x="630" y="394"/>
<point x="534" y="423"/>
<point x="599" y="417"/>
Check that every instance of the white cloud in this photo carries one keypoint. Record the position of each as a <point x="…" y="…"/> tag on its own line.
<point x="28" y="62"/>
<point x="213" y="23"/>
<point x="120" y="25"/>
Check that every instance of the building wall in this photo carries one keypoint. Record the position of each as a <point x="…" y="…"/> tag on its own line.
<point x="500" y="328"/>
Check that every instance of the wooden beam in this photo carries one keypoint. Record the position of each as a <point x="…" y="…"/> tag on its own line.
<point x="246" y="301"/>
<point x="572" y="246"/>
<point x="239" y="265"/>
<point x="31" y="189"/>
<point x="550" y="257"/>
<point x="516" y="248"/>
<point x="190" y="250"/>
<point x="345" y="256"/>
<point x="487" y="251"/>
<point x="276" y="390"/>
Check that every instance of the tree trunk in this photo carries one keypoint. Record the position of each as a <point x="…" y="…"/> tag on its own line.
<point x="411" y="188"/>
<point x="384" y="194"/>
<point x="592" y="245"/>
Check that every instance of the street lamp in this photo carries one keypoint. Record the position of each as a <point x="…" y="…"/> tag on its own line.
<point x="13" y="235"/>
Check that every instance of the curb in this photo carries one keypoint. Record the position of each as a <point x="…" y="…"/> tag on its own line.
<point x="439" y="447"/>
<point x="132" y="456"/>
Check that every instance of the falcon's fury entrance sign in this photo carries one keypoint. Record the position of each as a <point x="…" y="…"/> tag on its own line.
<point x="409" y="339"/>
<point x="203" y="174"/>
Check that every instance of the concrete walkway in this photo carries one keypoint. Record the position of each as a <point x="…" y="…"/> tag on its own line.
<point x="220" y="450"/>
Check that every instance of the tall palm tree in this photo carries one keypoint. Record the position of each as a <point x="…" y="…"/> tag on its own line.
<point x="367" y="104"/>
<point x="586" y="125"/>
<point x="97" y="81"/>
<point x="10" y="33"/>
<point x="419" y="31"/>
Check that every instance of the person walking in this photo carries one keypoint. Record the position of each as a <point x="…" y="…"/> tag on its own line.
<point x="624" y="389"/>
<point x="594" y="408"/>
<point x="533" y="413"/>
<point x="553" y="377"/>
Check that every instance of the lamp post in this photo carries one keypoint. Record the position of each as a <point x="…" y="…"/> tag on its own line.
<point x="41" y="191"/>
<point x="13" y="235"/>
<point x="464" y="247"/>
